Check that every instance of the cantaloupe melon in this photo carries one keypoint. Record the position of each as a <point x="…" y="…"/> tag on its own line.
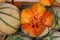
<point x="47" y="2"/>
<point x="36" y="20"/>
<point x="9" y="18"/>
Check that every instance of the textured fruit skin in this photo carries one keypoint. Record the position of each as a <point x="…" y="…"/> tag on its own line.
<point x="9" y="16"/>
<point x="17" y="37"/>
<point x="47" y="2"/>
<point x="57" y="15"/>
<point x="35" y="20"/>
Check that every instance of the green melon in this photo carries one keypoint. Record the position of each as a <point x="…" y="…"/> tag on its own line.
<point x="9" y="18"/>
<point x="56" y="10"/>
<point x="54" y="36"/>
<point x="17" y="37"/>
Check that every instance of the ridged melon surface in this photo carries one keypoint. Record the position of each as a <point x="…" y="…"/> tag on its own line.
<point x="9" y="18"/>
<point x="36" y="20"/>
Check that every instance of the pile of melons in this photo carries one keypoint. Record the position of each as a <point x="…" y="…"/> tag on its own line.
<point x="36" y="21"/>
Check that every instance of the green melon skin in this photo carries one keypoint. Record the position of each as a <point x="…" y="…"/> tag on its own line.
<point x="8" y="5"/>
<point x="17" y="37"/>
<point x="57" y="16"/>
<point x="9" y="18"/>
<point x="54" y="36"/>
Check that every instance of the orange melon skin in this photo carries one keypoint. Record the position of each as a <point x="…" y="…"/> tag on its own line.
<point x="47" y="2"/>
<point x="48" y="19"/>
<point x="34" y="20"/>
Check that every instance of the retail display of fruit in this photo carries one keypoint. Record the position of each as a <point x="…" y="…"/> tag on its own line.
<point x="29" y="20"/>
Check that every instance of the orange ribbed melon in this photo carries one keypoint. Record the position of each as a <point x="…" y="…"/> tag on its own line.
<point x="47" y="2"/>
<point x="36" y="20"/>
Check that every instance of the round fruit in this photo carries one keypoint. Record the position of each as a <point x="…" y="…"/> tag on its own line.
<point x="9" y="18"/>
<point x="36" y="20"/>
<point x="47" y="2"/>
